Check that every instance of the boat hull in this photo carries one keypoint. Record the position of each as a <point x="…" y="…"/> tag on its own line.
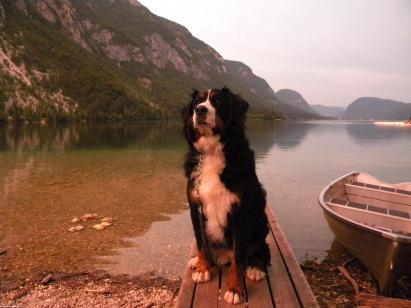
<point x="387" y="257"/>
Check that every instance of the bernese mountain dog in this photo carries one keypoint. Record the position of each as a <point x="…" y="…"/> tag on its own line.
<point x="227" y="202"/>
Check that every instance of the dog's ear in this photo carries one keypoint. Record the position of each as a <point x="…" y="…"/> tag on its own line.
<point x="194" y="95"/>
<point x="187" y="114"/>
<point x="239" y="105"/>
<point x="187" y="111"/>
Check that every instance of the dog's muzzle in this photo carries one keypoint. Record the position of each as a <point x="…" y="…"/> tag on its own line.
<point x="201" y="112"/>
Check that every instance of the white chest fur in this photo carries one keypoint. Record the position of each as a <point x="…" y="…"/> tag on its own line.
<point x="216" y="199"/>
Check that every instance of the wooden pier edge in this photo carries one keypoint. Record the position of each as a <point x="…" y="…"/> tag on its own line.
<point x="285" y="285"/>
<point x="302" y="288"/>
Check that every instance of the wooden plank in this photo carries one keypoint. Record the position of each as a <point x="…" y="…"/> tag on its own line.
<point x="206" y="294"/>
<point x="279" y="279"/>
<point x="258" y="293"/>
<point x="305" y="294"/>
<point x="224" y="286"/>
<point x="187" y="289"/>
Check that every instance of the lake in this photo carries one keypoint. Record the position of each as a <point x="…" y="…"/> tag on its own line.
<point x="51" y="174"/>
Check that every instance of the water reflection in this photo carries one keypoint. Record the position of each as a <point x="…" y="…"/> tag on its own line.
<point x="158" y="135"/>
<point x="294" y="178"/>
<point x="285" y="135"/>
<point x="130" y="172"/>
<point x="50" y="174"/>
<point x="367" y="133"/>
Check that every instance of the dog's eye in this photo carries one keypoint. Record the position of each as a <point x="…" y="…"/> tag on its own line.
<point x="217" y="100"/>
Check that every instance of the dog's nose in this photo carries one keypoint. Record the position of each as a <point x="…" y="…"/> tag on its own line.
<point x="201" y="110"/>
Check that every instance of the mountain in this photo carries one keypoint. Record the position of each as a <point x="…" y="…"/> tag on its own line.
<point x="373" y="108"/>
<point x="110" y="60"/>
<point x="259" y="87"/>
<point x="296" y="100"/>
<point x="328" y="111"/>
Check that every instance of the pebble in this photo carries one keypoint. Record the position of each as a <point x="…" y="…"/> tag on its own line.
<point x="99" y="227"/>
<point x="106" y="224"/>
<point x="76" y="228"/>
<point x="107" y="219"/>
<point x="88" y="216"/>
<point x="75" y="220"/>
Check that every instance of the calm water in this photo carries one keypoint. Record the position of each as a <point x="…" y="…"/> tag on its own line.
<point x="48" y="175"/>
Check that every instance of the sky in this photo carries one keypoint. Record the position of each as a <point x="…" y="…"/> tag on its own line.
<point x="331" y="52"/>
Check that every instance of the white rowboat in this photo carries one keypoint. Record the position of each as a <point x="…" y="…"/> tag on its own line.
<point x="372" y="219"/>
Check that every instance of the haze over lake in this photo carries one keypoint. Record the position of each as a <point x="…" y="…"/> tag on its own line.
<point x="48" y="175"/>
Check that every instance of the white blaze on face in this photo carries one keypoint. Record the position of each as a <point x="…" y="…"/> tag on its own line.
<point x="210" y="118"/>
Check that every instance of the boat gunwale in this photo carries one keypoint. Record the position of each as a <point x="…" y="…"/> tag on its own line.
<point x="389" y="235"/>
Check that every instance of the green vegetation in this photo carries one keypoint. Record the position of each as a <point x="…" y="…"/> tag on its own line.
<point x="105" y="90"/>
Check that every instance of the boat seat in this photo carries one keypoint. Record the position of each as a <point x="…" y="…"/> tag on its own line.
<point x="371" y="208"/>
<point x="380" y="193"/>
<point x="380" y="187"/>
<point x="402" y="191"/>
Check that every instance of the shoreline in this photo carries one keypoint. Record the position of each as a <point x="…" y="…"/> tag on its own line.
<point x="392" y="123"/>
<point x="331" y="287"/>
<point x="96" y="288"/>
<point x="90" y="289"/>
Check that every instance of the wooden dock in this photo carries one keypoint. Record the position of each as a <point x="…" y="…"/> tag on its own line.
<point x="285" y="285"/>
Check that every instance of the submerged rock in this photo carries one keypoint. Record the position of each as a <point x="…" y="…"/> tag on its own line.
<point x="75" y="220"/>
<point x="88" y="216"/>
<point x="76" y="228"/>
<point x="98" y="227"/>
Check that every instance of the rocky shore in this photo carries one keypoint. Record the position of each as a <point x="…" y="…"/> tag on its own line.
<point x="90" y="289"/>
<point x="100" y="289"/>
<point x="333" y="289"/>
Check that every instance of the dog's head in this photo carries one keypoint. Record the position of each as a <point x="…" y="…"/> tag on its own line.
<point x="214" y="112"/>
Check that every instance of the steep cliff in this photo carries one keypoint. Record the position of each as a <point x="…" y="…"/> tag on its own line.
<point x="105" y="60"/>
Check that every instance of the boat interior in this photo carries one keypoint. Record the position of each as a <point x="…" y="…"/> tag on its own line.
<point x="366" y="200"/>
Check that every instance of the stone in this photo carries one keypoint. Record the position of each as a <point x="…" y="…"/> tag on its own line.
<point x="98" y="227"/>
<point x="76" y="228"/>
<point x="88" y="216"/>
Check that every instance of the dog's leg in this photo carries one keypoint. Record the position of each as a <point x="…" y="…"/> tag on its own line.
<point x="255" y="273"/>
<point x="258" y="259"/>
<point x="235" y="292"/>
<point x="202" y="271"/>
<point x="199" y="263"/>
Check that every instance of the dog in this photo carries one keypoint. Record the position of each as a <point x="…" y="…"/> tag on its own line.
<point x="227" y="202"/>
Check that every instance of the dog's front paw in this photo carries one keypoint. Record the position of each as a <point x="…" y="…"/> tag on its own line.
<point x="233" y="296"/>
<point x="255" y="274"/>
<point x="201" y="276"/>
<point x="192" y="263"/>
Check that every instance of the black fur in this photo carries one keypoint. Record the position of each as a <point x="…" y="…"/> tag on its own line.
<point x="247" y="223"/>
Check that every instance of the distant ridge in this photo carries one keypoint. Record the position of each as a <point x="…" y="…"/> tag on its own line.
<point x="329" y="111"/>
<point x="373" y="108"/>
<point x="296" y="100"/>
<point x="258" y="86"/>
